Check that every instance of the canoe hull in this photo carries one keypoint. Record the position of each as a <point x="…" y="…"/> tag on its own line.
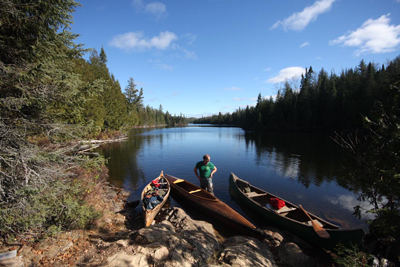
<point x="207" y="203"/>
<point x="303" y="230"/>
<point x="149" y="215"/>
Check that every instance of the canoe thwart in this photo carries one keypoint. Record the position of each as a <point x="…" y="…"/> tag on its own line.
<point x="194" y="191"/>
<point x="255" y="194"/>
<point x="178" y="181"/>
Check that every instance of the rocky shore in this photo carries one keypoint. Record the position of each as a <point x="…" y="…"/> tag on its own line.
<point x="119" y="239"/>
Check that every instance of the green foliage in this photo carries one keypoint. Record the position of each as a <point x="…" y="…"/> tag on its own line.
<point x="49" y="96"/>
<point x="44" y="210"/>
<point x="352" y="257"/>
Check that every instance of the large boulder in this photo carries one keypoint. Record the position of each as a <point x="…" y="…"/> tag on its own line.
<point x="246" y="251"/>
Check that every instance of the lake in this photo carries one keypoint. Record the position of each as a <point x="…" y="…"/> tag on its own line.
<point x="301" y="168"/>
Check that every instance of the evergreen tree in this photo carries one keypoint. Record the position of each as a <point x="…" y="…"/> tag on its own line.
<point x="103" y="56"/>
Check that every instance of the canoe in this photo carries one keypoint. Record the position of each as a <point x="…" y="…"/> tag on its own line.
<point x="161" y="187"/>
<point x="212" y="206"/>
<point x="291" y="217"/>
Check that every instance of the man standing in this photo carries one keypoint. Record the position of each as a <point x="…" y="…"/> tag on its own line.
<point x="206" y="169"/>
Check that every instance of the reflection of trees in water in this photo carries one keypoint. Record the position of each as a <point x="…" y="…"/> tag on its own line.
<point x="309" y="158"/>
<point x="124" y="170"/>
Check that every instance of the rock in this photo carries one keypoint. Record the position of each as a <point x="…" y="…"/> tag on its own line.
<point x="274" y="238"/>
<point x="122" y="259"/>
<point x="156" y="251"/>
<point x="180" y="238"/>
<point x="13" y="262"/>
<point x="246" y="251"/>
<point x="291" y="255"/>
<point x="161" y="233"/>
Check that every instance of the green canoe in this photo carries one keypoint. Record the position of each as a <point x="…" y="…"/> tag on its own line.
<point x="292" y="218"/>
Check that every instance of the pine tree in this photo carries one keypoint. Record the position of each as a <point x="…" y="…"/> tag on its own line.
<point x="103" y="56"/>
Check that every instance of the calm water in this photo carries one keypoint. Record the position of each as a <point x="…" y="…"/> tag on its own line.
<point x="301" y="168"/>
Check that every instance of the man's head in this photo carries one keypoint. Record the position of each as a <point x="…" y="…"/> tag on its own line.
<point x="206" y="158"/>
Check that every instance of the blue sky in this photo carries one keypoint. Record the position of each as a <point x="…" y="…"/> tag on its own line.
<point x="202" y="57"/>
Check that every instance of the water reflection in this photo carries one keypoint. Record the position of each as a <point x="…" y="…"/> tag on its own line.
<point x="308" y="158"/>
<point x="301" y="168"/>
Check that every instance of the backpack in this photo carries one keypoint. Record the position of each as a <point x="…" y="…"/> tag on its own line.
<point x="277" y="203"/>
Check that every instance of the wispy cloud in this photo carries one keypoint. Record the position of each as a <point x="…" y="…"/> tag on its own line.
<point x="240" y="99"/>
<point x="190" y="37"/>
<point x="298" y="21"/>
<point x="304" y="44"/>
<point x="173" y="94"/>
<point x="267" y="69"/>
<point x="287" y="73"/>
<point x="232" y="89"/>
<point x="374" y="36"/>
<point x="163" y="66"/>
<point x="136" y="41"/>
<point x="157" y="9"/>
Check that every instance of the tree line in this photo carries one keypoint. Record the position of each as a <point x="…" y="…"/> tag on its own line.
<point x="105" y="107"/>
<point x="320" y="102"/>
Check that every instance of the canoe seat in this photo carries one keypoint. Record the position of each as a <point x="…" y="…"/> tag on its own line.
<point x="194" y="191"/>
<point x="255" y="194"/>
<point x="284" y="209"/>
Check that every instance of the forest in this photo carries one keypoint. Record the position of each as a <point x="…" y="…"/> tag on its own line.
<point x="51" y="99"/>
<point x="320" y="102"/>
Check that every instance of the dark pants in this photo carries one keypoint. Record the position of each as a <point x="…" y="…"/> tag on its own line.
<point x="207" y="185"/>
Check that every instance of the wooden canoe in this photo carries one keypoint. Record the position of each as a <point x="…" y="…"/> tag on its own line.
<point x="291" y="217"/>
<point x="212" y="206"/>
<point x="163" y="190"/>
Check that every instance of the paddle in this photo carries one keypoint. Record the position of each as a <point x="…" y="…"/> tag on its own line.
<point x="317" y="228"/>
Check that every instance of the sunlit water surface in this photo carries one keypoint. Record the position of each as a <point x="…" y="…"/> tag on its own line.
<point x="301" y="168"/>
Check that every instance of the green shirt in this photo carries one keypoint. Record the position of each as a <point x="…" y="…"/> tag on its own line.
<point x="205" y="170"/>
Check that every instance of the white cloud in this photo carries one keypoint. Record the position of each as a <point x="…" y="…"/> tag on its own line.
<point x="374" y="36"/>
<point x="298" y="21"/>
<point x="287" y="73"/>
<point x="156" y="9"/>
<point x="239" y="99"/>
<point x="136" y="41"/>
<point x="267" y="69"/>
<point x="305" y="44"/>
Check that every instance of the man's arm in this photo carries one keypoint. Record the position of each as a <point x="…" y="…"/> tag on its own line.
<point x="214" y="171"/>
<point x="195" y="171"/>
